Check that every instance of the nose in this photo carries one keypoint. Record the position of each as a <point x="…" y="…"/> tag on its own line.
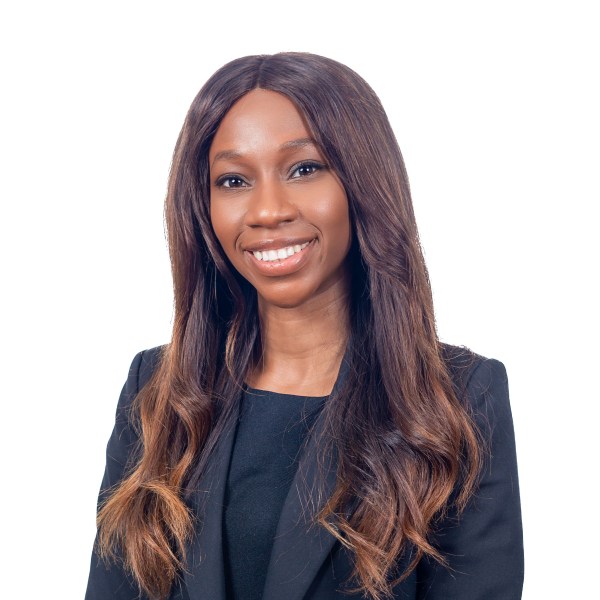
<point x="270" y="205"/>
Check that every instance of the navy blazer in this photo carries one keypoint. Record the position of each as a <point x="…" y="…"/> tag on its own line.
<point x="483" y="546"/>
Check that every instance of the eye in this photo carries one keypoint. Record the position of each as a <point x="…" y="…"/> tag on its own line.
<point x="305" y="169"/>
<point x="230" y="181"/>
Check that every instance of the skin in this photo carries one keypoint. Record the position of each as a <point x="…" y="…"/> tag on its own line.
<point x="272" y="188"/>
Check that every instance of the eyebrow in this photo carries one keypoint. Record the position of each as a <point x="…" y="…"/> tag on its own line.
<point x="299" y="143"/>
<point x="292" y="144"/>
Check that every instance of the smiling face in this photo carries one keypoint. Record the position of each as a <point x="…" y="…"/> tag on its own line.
<point x="278" y="210"/>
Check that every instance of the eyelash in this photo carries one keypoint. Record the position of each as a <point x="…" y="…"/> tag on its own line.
<point x="225" y="180"/>
<point x="308" y="164"/>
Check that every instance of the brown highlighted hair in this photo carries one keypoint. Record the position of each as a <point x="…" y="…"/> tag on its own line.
<point x="402" y="439"/>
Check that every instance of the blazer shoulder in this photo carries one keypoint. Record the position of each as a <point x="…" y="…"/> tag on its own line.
<point x="483" y="545"/>
<point x="471" y="373"/>
<point x="142" y="367"/>
<point x="149" y="361"/>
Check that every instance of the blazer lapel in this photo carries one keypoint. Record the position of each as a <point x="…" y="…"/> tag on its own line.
<point x="301" y="546"/>
<point x="205" y="577"/>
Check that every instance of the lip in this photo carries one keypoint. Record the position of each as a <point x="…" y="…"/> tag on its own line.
<point x="284" y="266"/>
<point x="276" y="243"/>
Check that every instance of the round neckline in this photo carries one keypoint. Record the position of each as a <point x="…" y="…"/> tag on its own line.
<point x="259" y="392"/>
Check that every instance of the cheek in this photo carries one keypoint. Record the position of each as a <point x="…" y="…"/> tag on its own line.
<point x="223" y="232"/>
<point x="226" y="234"/>
<point x="335" y="216"/>
<point x="221" y="224"/>
<point x="344" y="237"/>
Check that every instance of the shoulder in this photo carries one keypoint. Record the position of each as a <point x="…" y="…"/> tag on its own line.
<point x="483" y="545"/>
<point x="123" y="444"/>
<point x="480" y="383"/>
<point x="462" y="363"/>
<point x="142" y="367"/>
<point x="482" y="387"/>
<point x="470" y="371"/>
<point x="144" y="364"/>
<point x="149" y="361"/>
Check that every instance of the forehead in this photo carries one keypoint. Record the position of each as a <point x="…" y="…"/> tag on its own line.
<point x="259" y="120"/>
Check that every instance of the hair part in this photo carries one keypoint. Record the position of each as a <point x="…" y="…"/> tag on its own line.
<point x="403" y="440"/>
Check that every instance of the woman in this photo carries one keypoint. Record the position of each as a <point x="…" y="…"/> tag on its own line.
<point x="304" y="434"/>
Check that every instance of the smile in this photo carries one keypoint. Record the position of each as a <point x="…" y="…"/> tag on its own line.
<point x="280" y="253"/>
<point x="282" y="261"/>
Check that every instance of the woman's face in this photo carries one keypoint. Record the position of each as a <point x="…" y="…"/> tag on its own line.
<point x="279" y="212"/>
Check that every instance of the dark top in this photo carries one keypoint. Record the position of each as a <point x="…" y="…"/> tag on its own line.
<point x="268" y="442"/>
<point x="483" y="547"/>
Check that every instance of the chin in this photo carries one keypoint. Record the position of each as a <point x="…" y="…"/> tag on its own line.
<point x="283" y="301"/>
<point x="285" y="296"/>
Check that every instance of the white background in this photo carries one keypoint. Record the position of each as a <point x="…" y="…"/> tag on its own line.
<point x="495" y="106"/>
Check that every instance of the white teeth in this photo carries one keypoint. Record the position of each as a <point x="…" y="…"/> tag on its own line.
<point x="280" y="254"/>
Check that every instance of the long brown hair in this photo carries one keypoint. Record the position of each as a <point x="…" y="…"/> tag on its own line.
<point x="402" y="439"/>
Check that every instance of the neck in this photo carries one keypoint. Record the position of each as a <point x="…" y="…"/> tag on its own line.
<point x="302" y="346"/>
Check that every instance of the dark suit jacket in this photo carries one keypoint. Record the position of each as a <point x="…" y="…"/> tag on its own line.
<point x="483" y="546"/>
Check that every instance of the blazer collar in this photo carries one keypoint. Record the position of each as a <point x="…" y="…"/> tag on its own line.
<point x="300" y="546"/>
<point x="205" y="576"/>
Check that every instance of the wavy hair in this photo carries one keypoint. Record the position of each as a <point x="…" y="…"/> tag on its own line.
<point x="402" y="439"/>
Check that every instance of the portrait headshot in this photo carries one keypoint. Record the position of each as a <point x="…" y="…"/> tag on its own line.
<point x="311" y="292"/>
